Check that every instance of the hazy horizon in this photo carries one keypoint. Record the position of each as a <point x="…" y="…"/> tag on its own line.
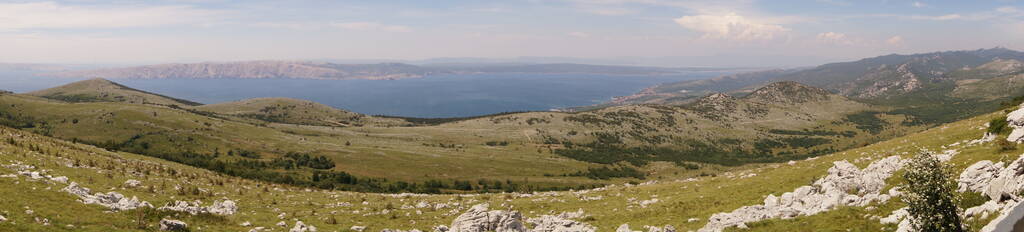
<point x="744" y="33"/>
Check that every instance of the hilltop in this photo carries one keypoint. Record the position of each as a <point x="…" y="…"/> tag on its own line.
<point x="296" y="111"/>
<point x="102" y="90"/>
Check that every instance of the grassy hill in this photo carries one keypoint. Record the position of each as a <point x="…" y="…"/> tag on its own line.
<point x="260" y="139"/>
<point x="102" y="90"/>
<point x="295" y="111"/>
<point x="40" y="205"/>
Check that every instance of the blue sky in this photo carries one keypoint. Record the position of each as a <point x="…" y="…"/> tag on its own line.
<point x="754" y="33"/>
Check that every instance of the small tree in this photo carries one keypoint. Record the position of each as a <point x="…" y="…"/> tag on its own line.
<point x="928" y="193"/>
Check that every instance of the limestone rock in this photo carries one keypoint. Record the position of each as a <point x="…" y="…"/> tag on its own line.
<point x="1015" y="120"/>
<point x="172" y="225"/>
<point x="977" y="177"/>
<point x="302" y="227"/>
<point x="132" y="183"/>
<point x="113" y="200"/>
<point x="226" y="207"/>
<point x="479" y="219"/>
<point x="560" y="223"/>
<point x="825" y="194"/>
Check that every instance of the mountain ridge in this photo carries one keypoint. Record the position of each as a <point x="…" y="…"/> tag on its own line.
<point x="333" y="71"/>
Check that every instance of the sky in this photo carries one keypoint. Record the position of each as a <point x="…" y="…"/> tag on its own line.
<point x="654" y="32"/>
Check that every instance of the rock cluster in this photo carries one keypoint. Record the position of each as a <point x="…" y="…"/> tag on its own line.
<point x="172" y="225"/>
<point x="226" y="207"/>
<point x="302" y="227"/>
<point x="112" y="200"/>
<point x="1002" y="185"/>
<point x="667" y="228"/>
<point x="1015" y="120"/>
<point x="480" y="219"/>
<point x="845" y="185"/>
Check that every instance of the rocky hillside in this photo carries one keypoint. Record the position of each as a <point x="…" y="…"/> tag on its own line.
<point x="102" y="90"/>
<point x="934" y="87"/>
<point x="54" y="185"/>
<point x="779" y="122"/>
<point x="296" y="111"/>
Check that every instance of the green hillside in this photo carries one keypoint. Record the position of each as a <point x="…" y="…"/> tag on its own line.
<point x="41" y="205"/>
<point x="102" y="90"/>
<point x="295" y="111"/>
<point x="523" y="151"/>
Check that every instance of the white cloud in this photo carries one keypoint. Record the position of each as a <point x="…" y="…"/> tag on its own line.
<point x="51" y="15"/>
<point x="938" y="18"/>
<point x="895" y="40"/>
<point x="372" y="26"/>
<point x="1007" y="10"/>
<point x="578" y="34"/>
<point x="834" y="38"/>
<point x="918" y="4"/>
<point x="607" y="11"/>
<point x="731" y="26"/>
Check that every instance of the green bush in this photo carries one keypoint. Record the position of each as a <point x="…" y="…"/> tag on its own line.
<point x="930" y="195"/>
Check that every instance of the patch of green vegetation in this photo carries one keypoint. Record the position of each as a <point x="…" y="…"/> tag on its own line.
<point x="868" y="121"/>
<point x="605" y="173"/>
<point x="998" y="125"/>
<point x="813" y="132"/>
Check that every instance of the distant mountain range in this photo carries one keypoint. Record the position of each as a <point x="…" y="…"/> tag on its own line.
<point x="381" y="71"/>
<point x="928" y="83"/>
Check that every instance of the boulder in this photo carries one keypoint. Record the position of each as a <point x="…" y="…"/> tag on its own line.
<point x="1015" y="120"/>
<point x="560" y="223"/>
<point x="226" y="207"/>
<point x="479" y="219"/>
<point x="172" y="225"/>
<point x="132" y="183"/>
<point x="978" y="176"/>
<point x="302" y="227"/>
<point x="624" y="228"/>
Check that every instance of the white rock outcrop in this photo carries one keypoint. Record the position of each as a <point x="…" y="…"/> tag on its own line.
<point x="113" y="200"/>
<point x="302" y="227"/>
<point x="845" y="185"/>
<point x="172" y="225"/>
<point x="977" y="177"/>
<point x="560" y="223"/>
<point x="1015" y="120"/>
<point x="480" y="219"/>
<point x="226" y="207"/>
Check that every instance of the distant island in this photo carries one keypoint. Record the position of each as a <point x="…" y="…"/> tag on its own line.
<point x="333" y="71"/>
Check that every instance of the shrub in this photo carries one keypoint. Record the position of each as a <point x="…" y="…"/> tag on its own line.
<point x="930" y="195"/>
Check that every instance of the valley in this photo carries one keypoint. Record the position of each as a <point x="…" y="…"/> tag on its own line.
<point x="624" y="160"/>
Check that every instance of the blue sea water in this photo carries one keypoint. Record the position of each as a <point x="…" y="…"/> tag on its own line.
<point x="434" y="96"/>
